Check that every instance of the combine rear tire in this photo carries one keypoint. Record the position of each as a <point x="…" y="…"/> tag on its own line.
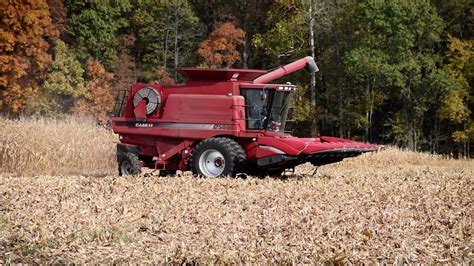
<point x="129" y="164"/>
<point x="216" y="157"/>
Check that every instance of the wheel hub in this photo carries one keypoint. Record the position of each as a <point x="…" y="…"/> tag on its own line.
<point x="212" y="163"/>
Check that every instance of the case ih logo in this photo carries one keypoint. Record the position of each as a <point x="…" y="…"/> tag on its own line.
<point x="143" y="125"/>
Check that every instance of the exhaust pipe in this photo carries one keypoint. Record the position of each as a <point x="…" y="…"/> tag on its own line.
<point x="307" y="63"/>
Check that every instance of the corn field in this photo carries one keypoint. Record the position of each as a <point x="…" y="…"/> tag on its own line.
<point x="54" y="147"/>
<point x="61" y="201"/>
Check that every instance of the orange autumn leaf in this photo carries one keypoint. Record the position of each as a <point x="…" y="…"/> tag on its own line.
<point x="100" y="97"/>
<point x="26" y="31"/>
<point x="220" y="48"/>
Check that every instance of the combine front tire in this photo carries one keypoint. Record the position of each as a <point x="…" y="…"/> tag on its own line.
<point x="129" y="164"/>
<point x="216" y="157"/>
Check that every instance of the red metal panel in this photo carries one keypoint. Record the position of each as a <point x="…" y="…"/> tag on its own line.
<point x="289" y="147"/>
<point x="220" y="74"/>
<point x="172" y="110"/>
<point x="206" y="108"/>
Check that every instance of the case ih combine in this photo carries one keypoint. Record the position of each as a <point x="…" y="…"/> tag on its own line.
<point x="221" y="122"/>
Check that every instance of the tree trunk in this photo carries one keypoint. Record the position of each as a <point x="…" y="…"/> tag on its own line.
<point x="165" y="55"/>
<point x="247" y="40"/>
<point x="311" y="48"/>
<point x="310" y="21"/>
<point x="367" y="112"/>
<point x="371" y="109"/>
<point x="341" y="123"/>
<point x="245" y="53"/>
<point x="176" y="49"/>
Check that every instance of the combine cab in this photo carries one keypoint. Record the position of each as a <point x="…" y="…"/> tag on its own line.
<point x="221" y="122"/>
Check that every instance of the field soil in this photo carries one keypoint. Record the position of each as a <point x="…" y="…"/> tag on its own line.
<point x="66" y="204"/>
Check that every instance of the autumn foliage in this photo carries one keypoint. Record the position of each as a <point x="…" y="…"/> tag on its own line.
<point x="163" y="76"/>
<point x="220" y="48"/>
<point x="26" y="31"/>
<point x="100" y="98"/>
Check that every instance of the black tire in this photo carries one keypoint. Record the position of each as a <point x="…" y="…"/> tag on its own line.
<point x="233" y="157"/>
<point x="129" y="164"/>
<point x="167" y="173"/>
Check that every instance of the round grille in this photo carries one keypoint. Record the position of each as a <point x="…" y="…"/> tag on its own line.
<point x="151" y="96"/>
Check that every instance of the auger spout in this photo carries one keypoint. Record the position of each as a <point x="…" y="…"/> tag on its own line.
<point x="307" y="62"/>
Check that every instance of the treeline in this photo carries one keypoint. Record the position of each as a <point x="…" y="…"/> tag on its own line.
<point x="398" y="72"/>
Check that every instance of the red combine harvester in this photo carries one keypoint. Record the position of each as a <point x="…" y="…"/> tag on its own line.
<point x="222" y="122"/>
